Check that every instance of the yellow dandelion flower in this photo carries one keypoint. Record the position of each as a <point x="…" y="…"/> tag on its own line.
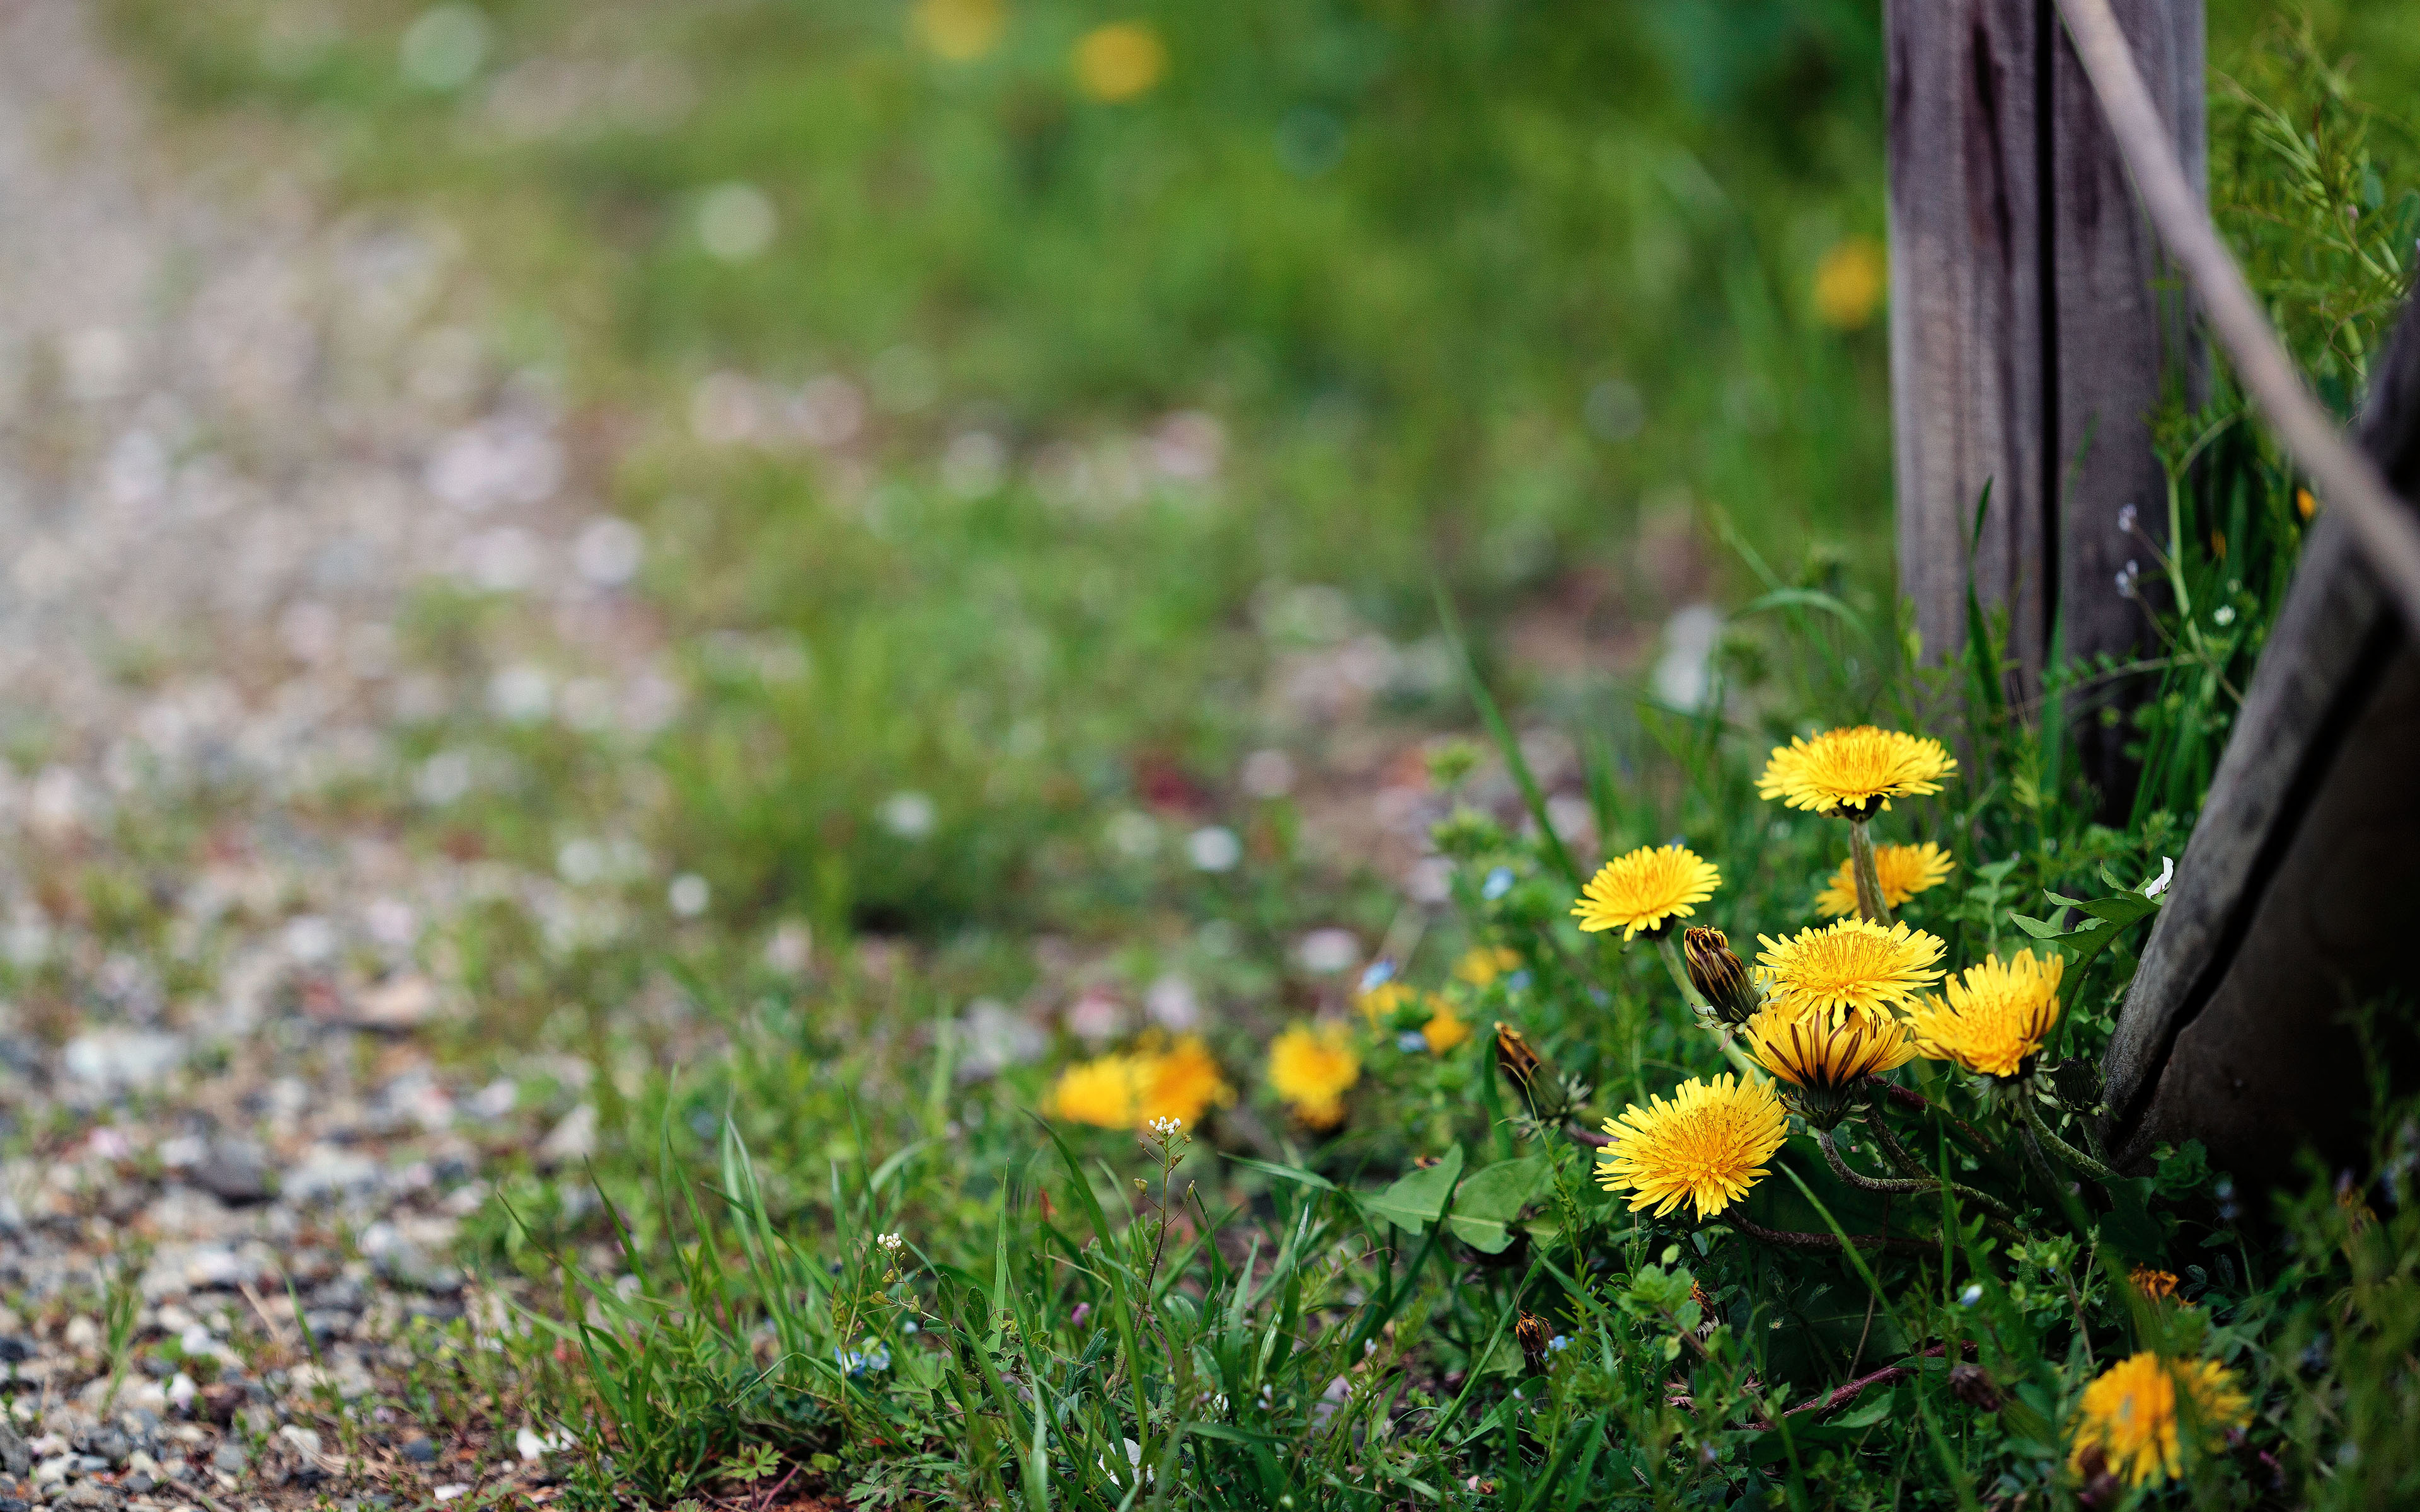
<point x="1707" y="1145"/>
<point x="1645" y="889"/>
<point x="1853" y="771"/>
<point x="1311" y="1066"/>
<point x="1106" y="1090"/>
<point x="1854" y="966"/>
<point x="1997" y="1016"/>
<point x="1850" y="282"/>
<point x="1828" y="1060"/>
<point x="1481" y="964"/>
<point x="1904" y="870"/>
<point x="1380" y="1003"/>
<point x="1123" y="60"/>
<point x="2130" y="1415"/>
<point x="1182" y="1083"/>
<point x="1443" y="1030"/>
<point x="2155" y="1286"/>
<point x="959" y="30"/>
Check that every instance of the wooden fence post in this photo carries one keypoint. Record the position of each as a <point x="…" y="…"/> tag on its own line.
<point x="2032" y="326"/>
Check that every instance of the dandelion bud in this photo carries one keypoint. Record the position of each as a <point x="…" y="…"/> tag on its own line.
<point x="1719" y="975"/>
<point x="1534" y="1337"/>
<point x="1532" y="1075"/>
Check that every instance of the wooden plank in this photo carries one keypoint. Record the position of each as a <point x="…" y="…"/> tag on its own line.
<point x="2124" y="331"/>
<point x="2032" y="324"/>
<point x="2299" y="893"/>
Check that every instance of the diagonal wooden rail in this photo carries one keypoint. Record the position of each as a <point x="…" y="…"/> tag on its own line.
<point x="2339" y="474"/>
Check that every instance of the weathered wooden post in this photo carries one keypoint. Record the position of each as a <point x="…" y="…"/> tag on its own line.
<point x="2033" y="325"/>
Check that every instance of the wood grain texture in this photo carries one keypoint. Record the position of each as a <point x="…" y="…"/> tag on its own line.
<point x="2033" y="324"/>
<point x="2299" y="893"/>
<point x="2124" y="337"/>
<point x="1967" y="382"/>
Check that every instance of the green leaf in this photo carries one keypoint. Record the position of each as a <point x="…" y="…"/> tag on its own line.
<point x="1486" y="1207"/>
<point x="1284" y="1173"/>
<point x="1418" y="1198"/>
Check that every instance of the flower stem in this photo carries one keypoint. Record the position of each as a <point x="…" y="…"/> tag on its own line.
<point x="1905" y="1161"/>
<point x="1793" y="1239"/>
<point x="1859" y="1179"/>
<point x="1869" y="880"/>
<point x="2060" y="1148"/>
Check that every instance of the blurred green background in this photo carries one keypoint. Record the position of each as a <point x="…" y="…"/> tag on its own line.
<point x="1011" y="392"/>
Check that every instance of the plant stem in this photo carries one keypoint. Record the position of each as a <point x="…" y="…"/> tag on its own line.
<point x="1900" y="1157"/>
<point x="1870" y="881"/>
<point x="1859" y="1179"/>
<point x="1916" y="1102"/>
<point x="2060" y="1148"/>
<point x="1793" y="1239"/>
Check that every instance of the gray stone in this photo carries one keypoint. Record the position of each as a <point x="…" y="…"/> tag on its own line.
<point x="419" y="1451"/>
<point x="91" y="1493"/>
<point x="234" y="1171"/>
<point x="16" y="1454"/>
<point x="229" y="1458"/>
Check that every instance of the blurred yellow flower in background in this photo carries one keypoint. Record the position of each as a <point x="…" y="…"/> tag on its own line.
<point x="960" y="30"/>
<point x="1311" y="1066"/>
<point x="1379" y="1003"/>
<point x="2129" y="1417"/>
<point x="1481" y="964"/>
<point x="1127" y="1089"/>
<point x="1443" y="1030"/>
<point x="1120" y="61"/>
<point x="1904" y="870"/>
<point x="1850" y="282"/>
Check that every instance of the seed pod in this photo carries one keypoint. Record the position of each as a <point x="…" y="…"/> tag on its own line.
<point x="1719" y="975"/>
<point x="1973" y="1385"/>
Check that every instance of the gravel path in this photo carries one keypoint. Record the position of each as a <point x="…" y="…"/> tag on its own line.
<point x="234" y="434"/>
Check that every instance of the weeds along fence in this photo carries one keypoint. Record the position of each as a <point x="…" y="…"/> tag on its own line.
<point x="2049" y="224"/>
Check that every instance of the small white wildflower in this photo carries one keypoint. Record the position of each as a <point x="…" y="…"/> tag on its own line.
<point x="890" y="1243"/>
<point x="1166" y="1127"/>
<point x="2160" y="884"/>
<point x="1973" y="1295"/>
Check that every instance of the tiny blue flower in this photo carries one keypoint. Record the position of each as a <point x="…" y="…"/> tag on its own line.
<point x="1559" y="1343"/>
<point x="1518" y="981"/>
<point x="1973" y="1295"/>
<point x="855" y="1364"/>
<point x="1411" y="1041"/>
<point x="1498" y="883"/>
<point x="1380" y="972"/>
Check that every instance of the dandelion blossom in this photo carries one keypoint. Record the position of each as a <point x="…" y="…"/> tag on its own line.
<point x="1104" y="1091"/>
<point x="1183" y="1082"/>
<point x="1312" y="1067"/>
<point x="1707" y="1145"/>
<point x="1853" y="771"/>
<point x="1444" y="1029"/>
<point x="1120" y="61"/>
<point x="2129" y="1417"/>
<point x="1481" y="964"/>
<point x="1855" y="966"/>
<point x="1904" y="870"/>
<point x="1996" y="1017"/>
<point x="1645" y="888"/>
<point x="1129" y="1089"/>
<point x="1828" y="1060"/>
